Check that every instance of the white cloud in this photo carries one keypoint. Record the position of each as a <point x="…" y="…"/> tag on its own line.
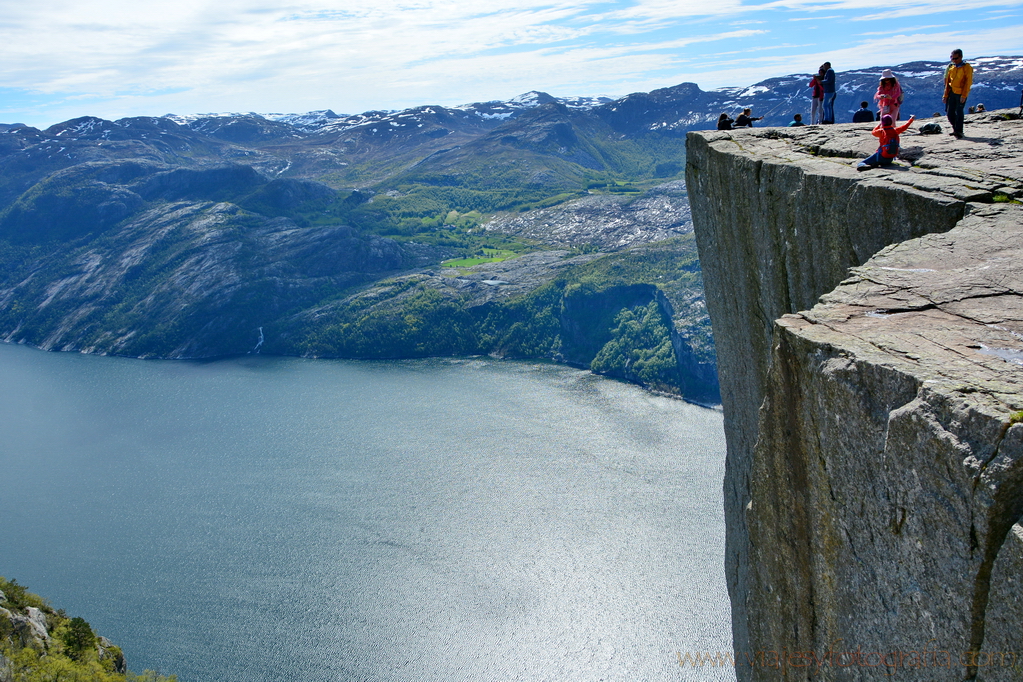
<point x="876" y="51"/>
<point x="128" y="58"/>
<point x="887" y="8"/>
<point x="904" y="30"/>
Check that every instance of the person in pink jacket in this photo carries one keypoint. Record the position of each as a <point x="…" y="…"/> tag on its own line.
<point x="888" y="96"/>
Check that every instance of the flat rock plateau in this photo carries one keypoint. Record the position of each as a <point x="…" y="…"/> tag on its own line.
<point x="869" y="332"/>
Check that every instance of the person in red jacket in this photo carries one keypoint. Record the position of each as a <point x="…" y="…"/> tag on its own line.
<point x="888" y="137"/>
<point x="816" y="99"/>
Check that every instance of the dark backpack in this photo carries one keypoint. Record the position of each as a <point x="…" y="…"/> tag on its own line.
<point x="930" y="129"/>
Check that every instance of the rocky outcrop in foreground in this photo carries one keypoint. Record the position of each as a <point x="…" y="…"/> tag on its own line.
<point x="59" y="647"/>
<point x="869" y="330"/>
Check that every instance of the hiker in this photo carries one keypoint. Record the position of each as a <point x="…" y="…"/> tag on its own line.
<point x="888" y="136"/>
<point x="863" y="114"/>
<point x="816" y="99"/>
<point x="981" y="109"/>
<point x="724" y="123"/>
<point x="744" y="120"/>
<point x="888" y="96"/>
<point x="958" y="79"/>
<point x="797" y="121"/>
<point x="827" y="75"/>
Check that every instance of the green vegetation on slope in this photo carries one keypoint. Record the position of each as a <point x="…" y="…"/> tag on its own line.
<point x="71" y="651"/>
<point x="605" y="314"/>
<point x="640" y="349"/>
<point x="523" y="166"/>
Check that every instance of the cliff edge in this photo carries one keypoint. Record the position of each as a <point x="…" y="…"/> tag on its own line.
<point x="869" y="331"/>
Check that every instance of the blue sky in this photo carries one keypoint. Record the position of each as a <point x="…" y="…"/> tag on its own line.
<point x="114" y="58"/>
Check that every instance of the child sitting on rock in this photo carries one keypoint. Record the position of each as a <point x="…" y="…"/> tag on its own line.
<point x="888" y="136"/>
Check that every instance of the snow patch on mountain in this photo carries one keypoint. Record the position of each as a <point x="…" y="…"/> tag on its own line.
<point x="310" y="119"/>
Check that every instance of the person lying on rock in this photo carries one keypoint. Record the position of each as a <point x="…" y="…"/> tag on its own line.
<point x="888" y="135"/>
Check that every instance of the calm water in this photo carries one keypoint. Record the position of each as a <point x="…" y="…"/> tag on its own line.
<point x="280" y="519"/>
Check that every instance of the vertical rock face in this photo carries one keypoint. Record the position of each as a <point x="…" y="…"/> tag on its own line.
<point x="874" y="482"/>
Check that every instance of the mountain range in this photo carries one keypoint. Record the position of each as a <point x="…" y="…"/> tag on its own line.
<point x="536" y="227"/>
<point x="686" y="107"/>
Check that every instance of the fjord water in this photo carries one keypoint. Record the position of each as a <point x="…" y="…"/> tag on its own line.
<point x="283" y="519"/>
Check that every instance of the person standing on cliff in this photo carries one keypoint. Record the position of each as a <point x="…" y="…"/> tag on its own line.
<point x="827" y="77"/>
<point x="888" y="137"/>
<point x="816" y="99"/>
<point x="958" y="80"/>
<point x="889" y="95"/>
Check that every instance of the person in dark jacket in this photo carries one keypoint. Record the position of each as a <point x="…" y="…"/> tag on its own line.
<point x="863" y="114"/>
<point x="724" y="123"/>
<point x="744" y="120"/>
<point x="828" y="82"/>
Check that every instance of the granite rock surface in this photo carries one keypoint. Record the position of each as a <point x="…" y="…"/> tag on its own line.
<point x="869" y="330"/>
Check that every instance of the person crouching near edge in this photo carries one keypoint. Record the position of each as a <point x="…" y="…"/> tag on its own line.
<point x="958" y="79"/>
<point x="888" y="136"/>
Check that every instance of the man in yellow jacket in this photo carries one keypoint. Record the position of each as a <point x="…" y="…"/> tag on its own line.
<point x="958" y="79"/>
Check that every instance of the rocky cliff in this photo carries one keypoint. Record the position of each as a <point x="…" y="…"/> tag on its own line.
<point x="869" y="330"/>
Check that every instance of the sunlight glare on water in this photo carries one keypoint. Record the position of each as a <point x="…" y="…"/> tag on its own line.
<point x="266" y="518"/>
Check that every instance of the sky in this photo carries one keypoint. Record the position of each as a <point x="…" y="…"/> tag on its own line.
<point x="115" y="58"/>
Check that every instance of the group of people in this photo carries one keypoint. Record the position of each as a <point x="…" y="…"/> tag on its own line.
<point x="889" y="98"/>
<point x="822" y="95"/>
<point x="957" y="83"/>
